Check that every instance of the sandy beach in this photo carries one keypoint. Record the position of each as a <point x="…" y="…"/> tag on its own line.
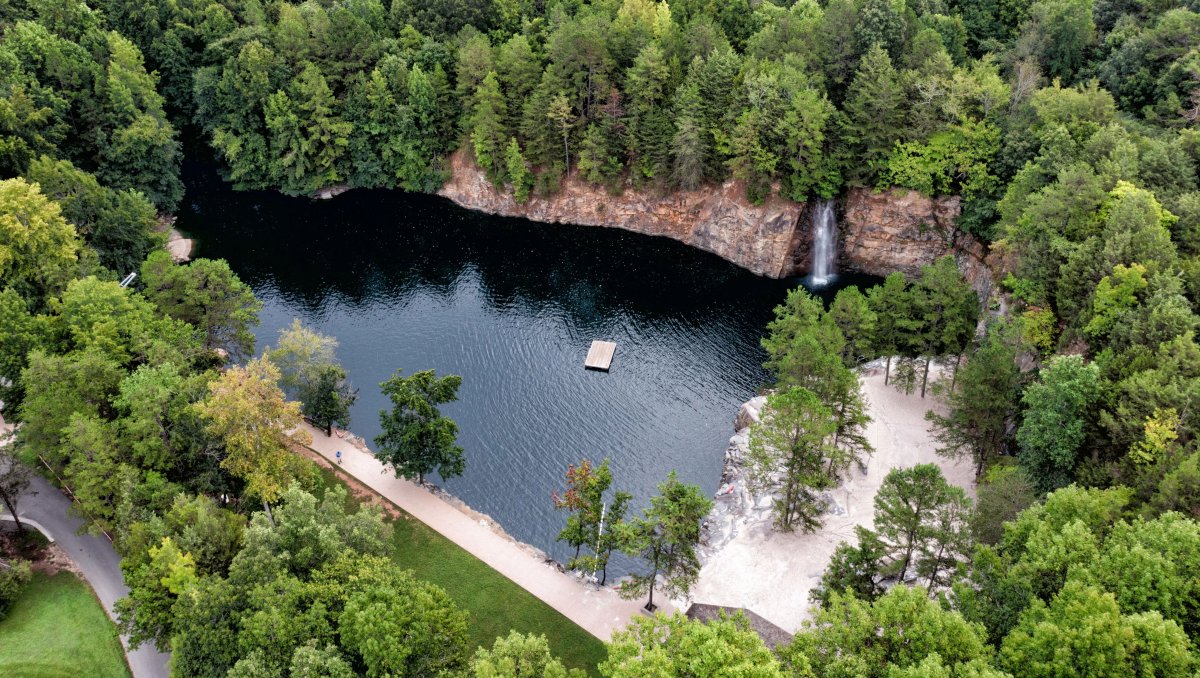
<point x="771" y="572"/>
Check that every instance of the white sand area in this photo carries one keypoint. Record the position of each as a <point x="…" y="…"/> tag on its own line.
<point x="771" y="572"/>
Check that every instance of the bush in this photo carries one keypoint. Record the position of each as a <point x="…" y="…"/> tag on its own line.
<point x="14" y="575"/>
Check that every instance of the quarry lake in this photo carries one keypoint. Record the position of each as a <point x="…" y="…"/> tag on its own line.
<point x="414" y="282"/>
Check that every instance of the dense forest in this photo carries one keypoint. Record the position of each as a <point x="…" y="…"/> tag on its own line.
<point x="1071" y="129"/>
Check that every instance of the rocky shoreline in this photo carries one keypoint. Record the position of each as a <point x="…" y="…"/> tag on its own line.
<point x="483" y="519"/>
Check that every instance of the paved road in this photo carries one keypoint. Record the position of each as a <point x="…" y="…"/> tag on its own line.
<point x="100" y="564"/>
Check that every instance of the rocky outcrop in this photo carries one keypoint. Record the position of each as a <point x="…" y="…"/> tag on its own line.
<point x="179" y="247"/>
<point x="879" y="232"/>
<point x="762" y="238"/>
<point x="901" y="230"/>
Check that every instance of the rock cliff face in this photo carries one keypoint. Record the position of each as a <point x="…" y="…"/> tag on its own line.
<point x="902" y="231"/>
<point x="878" y="233"/>
<point x="760" y="238"/>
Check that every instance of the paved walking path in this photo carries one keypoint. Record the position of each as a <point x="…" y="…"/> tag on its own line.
<point x="95" y="557"/>
<point x="600" y="612"/>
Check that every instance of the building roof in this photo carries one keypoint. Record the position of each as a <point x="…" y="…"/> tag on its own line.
<point x="771" y="634"/>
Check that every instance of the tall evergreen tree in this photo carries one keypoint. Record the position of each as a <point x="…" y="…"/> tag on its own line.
<point x="947" y="308"/>
<point x="874" y="111"/>
<point x="892" y="304"/>
<point x="488" y="133"/>
<point x="666" y="537"/>
<point x="788" y="453"/>
<point x="977" y="423"/>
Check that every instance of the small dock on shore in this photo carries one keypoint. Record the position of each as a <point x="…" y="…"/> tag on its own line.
<point x="600" y="355"/>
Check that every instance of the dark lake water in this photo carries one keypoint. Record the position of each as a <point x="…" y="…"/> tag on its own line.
<point x="414" y="282"/>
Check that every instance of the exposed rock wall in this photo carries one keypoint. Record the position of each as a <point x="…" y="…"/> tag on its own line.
<point x="761" y="238"/>
<point x="902" y="230"/>
<point x="879" y="233"/>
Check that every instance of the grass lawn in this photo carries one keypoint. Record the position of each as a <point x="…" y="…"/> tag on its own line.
<point x="57" y="628"/>
<point x="495" y="603"/>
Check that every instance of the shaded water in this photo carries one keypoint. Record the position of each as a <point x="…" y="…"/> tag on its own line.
<point x="413" y="282"/>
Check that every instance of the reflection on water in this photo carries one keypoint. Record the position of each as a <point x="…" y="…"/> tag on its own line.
<point x="413" y="282"/>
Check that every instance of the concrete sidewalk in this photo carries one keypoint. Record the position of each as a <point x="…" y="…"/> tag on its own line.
<point x="599" y="611"/>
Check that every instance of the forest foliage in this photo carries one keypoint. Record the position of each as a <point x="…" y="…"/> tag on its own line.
<point x="1068" y="127"/>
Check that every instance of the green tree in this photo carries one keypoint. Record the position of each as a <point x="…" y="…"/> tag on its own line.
<point x="20" y="334"/>
<point x="918" y="513"/>
<point x="38" y="248"/>
<point x="788" y="452"/>
<point x="247" y="411"/>
<point x="854" y="569"/>
<point x="519" y="656"/>
<point x="518" y="171"/>
<point x="14" y="478"/>
<point x="947" y="309"/>
<point x="1057" y="412"/>
<point x="150" y="403"/>
<point x="801" y="349"/>
<point x="650" y="127"/>
<point x="398" y="625"/>
<point x="119" y="225"/>
<point x="874" y="111"/>
<point x="308" y="138"/>
<point x="560" y="114"/>
<point x="301" y="355"/>
<point x="1061" y="31"/>
<point x="894" y="318"/>
<point x="488" y="131"/>
<point x="677" y="646"/>
<point x="666" y="537"/>
<point x="208" y="295"/>
<point x="979" y="409"/>
<point x="14" y="575"/>
<point x="851" y="312"/>
<point x="1115" y="294"/>
<point x="1002" y="493"/>
<point x="154" y="586"/>
<point x="327" y="401"/>
<point x="57" y="387"/>
<point x="519" y="71"/>
<point x="592" y="521"/>
<point x="1082" y="632"/>
<point x="416" y="438"/>
<point x="896" y="631"/>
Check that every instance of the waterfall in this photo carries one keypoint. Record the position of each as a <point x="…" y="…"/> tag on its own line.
<point x="824" y="251"/>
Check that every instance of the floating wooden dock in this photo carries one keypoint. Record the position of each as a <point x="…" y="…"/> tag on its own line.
<point x="600" y="355"/>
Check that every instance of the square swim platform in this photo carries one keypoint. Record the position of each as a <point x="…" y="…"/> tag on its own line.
<point x="600" y="355"/>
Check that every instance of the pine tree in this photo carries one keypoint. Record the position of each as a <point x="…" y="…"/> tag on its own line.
<point x="907" y="510"/>
<point x="563" y="118"/>
<point x="977" y="423"/>
<point x="892" y="306"/>
<point x="666" y="537"/>
<point x="650" y="128"/>
<point x="518" y="171"/>
<point x="418" y="133"/>
<point x="788" y="452"/>
<point x="488" y="133"/>
<point x="874" y="111"/>
<point x="947" y="308"/>
<point x="690" y="145"/>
